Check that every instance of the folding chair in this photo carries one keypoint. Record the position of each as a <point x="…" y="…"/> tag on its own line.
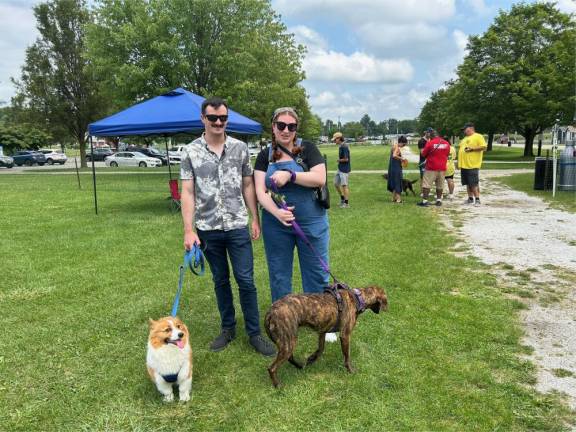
<point x="174" y="195"/>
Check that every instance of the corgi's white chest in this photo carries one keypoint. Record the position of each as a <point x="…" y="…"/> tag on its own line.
<point x="167" y="359"/>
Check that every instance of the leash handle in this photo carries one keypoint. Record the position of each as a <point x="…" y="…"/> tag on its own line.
<point x="193" y="259"/>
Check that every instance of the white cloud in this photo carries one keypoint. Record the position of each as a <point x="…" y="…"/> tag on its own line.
<point x="324" y="99"/>
<point x="479" y="7"/>
<point x="18" y="31"/>
<point x="309" y="38"/>
<point x="419" y="39"/>
<point x="360" y="11"/>
<point x="461" y="40"/>
<point x="567" y="6"/>
<point x="355" y="68"/>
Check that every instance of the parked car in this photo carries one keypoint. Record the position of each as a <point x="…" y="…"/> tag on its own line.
<point x="99" y="154"/>
<point x="253" y="150"/>
<point x="176" y="153"/>
<point x="150" y="152"/>
<point x="6" y="161"/>
<point x="29" y="158"/>
<point x="131" y="159"/>
<point x="52" y="157"/>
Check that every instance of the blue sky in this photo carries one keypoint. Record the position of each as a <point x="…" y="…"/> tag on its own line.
<point x="380" y="57"/>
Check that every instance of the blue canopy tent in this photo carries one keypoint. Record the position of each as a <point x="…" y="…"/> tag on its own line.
<point x="176" y="111"/>
<point x="170" y="113"/>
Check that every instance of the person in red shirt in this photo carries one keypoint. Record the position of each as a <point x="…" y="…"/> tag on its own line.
<point x="436" y="152"/>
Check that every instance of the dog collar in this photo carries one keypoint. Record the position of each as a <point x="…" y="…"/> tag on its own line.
<point x="360" y="302"/>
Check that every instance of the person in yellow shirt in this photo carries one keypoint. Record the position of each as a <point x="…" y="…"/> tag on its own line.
<point x="449" y="176"/>
<point x="470" y="160"/>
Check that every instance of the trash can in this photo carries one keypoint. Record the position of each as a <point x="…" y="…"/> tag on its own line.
<point x="543" y="173"/>
<point x="567" y="168"/>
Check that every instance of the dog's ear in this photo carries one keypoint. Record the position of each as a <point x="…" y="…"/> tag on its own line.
<point x="151" y="322"/>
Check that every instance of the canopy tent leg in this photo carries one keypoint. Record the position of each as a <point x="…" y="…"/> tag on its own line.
<point x="93" y="175"/>
<point x="168" y="157"/>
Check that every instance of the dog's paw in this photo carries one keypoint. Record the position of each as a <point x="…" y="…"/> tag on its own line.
<point x="184" y="397"/>
<point x="331" y="337"/>
<point x="168" y="398"/>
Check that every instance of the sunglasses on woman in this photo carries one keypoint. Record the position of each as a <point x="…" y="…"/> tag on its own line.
<point x="291" y="126"/>
<point x="213" y="117"/>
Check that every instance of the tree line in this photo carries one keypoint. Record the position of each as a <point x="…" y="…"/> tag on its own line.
<point x="91" y="62"/>
<point x="367" y="127"/>
<point x="520" y="75"/>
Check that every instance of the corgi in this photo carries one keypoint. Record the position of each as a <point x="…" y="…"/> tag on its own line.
<point x="169" y="357"/>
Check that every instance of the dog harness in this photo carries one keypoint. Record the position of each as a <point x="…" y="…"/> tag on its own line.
<point x="359" y="301"/>
<point x="172" y="378"/>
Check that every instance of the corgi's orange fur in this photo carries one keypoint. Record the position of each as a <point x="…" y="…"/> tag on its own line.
<point x="169" y="357"/>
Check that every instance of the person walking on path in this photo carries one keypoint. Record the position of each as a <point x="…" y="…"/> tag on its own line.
<point x="470" y="154"/>
<point x="341" y="177"/>
<point x="296" y="169"/>
<point x="217" y="186"/>
<point x="395" y="170"/>
<point x="436" y="153"/>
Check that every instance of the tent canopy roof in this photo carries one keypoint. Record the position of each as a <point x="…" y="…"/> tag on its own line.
<point x="176" y="111"/>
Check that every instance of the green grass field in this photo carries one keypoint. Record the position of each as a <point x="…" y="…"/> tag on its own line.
<point x="564" y="200"/>
<point x="77" y="291"/>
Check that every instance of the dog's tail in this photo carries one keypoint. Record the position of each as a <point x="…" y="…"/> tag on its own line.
<point x="413" y="181"/>
<point x="267" y="323"/>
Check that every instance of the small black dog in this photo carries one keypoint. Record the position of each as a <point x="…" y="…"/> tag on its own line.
<point x="406" y="185"/>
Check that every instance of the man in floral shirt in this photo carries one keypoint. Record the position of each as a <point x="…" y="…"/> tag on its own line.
<point x="217" y="186"/>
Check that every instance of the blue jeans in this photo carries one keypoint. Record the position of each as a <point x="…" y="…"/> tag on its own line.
<point x="237" y="245"/>
<point x="279" y="244"/>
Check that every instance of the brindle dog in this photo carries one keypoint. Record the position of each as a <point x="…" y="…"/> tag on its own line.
<point x="319" y="312"/>
<point x="406" y="185"/>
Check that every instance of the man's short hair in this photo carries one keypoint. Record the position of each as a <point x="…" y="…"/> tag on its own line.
<point x="403" y="139"/>
<point x="214" y="102"/>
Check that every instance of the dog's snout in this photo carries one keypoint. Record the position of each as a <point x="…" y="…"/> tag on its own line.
<point x="180" y="335"/>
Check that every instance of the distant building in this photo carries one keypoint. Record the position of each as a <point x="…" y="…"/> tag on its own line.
<point x="566" y="133"/>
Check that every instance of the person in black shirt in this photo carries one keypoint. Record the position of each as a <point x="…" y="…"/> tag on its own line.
<point x="421" y="144"/>
<point x="341" y="178"/>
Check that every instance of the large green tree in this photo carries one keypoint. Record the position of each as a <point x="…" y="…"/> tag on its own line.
<point x="236" y="49"/>
<point x="521" y="72"/>
<point x="57" y="90"/>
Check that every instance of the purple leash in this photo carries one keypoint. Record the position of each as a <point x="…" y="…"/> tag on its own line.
<point x="279" y="200"/>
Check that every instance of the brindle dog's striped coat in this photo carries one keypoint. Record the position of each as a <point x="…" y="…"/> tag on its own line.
<point x="319" y="312"/>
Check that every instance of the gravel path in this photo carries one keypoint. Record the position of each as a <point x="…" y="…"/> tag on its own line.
<point x="532" y="250"/>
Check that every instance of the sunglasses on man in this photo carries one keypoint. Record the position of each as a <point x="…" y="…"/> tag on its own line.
<point x="213" y="117"/>
<point x="291" y="126"/>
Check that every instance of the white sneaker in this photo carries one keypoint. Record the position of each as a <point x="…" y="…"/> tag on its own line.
<point x="331" y="337"/>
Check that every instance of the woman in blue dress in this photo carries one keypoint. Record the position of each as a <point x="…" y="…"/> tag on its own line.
<point x="395" y="170"/>
<point x="284" y="163"/>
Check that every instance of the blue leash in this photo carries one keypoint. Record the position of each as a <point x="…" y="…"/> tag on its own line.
<point x="194" y="260"/>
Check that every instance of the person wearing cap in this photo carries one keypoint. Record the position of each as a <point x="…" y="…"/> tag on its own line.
<point x="470" y="154"/>
<point x="436" y="152"/>
<point x="283" y="163"/>
<point x="341" y="178"/>
<point x="217" y="193"/>
<point x="421" y="144"/>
